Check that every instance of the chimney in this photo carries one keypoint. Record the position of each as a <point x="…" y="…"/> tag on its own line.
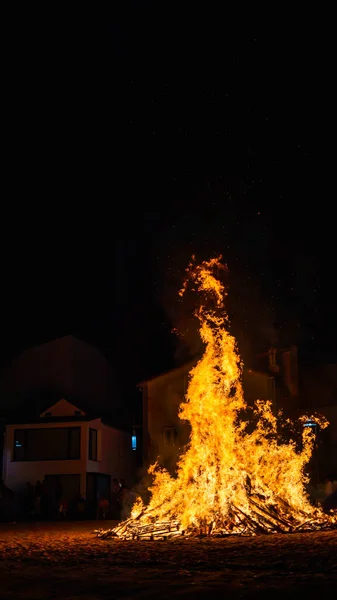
<point x="273" y="366"/>
<point x="290" y="370"/>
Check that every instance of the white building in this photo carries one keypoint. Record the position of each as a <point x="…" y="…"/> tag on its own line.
<point x="66" y="447"/>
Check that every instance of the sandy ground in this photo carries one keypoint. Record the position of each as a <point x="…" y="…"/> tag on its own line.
<point x="65" y="560"/>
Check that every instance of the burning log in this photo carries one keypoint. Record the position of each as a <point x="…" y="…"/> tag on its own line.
<point x="255" y="524"/>
<point x="270" y="516"/>
<point x="262" y="518"/>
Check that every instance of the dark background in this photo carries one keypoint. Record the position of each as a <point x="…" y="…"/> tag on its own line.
<point x="136" y="142"/>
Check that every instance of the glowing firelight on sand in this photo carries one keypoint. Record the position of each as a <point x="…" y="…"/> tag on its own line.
<point x="229" y="480"/>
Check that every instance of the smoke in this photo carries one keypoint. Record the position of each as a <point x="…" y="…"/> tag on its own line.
<point x="251" y="313"/>
<point x="253" y="299"/>
<point x="180" y="311"/>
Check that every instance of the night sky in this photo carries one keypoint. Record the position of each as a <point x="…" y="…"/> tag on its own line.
<point x="136" y="143"/>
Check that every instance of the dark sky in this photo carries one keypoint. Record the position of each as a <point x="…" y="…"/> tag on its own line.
<point x="135" y="143"/>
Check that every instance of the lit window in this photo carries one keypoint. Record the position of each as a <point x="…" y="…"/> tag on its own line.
<point x="309" y="423"/>
<point x="134" y="442"/>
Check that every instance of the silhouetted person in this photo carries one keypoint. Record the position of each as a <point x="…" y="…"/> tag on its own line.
<point x="28" y="499"/>
<point x="6" y="502"/>
<point x="328" y="485"/>
<point x="330" y="502"/>
<point x="103" y="507"/>
<point x="37" y="499"/>
<point x="115" y="505"/>
<point x="45" y="499"/>
<point x="128" y="499"/>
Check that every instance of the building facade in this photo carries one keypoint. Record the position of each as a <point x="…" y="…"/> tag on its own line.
<point x="275" y="377"/>
<point x="65" y="367"/>
<point x="164" y="434"/>
<point x="68" y="448"/>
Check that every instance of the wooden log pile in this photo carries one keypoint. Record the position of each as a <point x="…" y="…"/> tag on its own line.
<point x="262" y="518"/>
<point x="132" y="530"/>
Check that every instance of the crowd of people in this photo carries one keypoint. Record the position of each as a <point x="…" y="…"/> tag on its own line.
<point x="41" y="502"/>
<point x="121" y="500"/>
<point x="35" y="502"/>
<point x="323" y="493"/>
<point x="330" y="499"/>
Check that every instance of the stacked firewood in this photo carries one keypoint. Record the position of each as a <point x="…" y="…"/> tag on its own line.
<point x="132" y="530"/>
<point x="262" y="518"/>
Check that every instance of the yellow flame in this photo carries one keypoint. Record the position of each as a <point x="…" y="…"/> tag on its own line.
<point x="224" y="465"/>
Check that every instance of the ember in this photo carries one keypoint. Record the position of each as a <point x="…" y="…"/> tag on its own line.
<point x="229" y="480"/>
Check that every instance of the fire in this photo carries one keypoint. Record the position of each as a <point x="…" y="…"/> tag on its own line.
<point x="230" y="479"/>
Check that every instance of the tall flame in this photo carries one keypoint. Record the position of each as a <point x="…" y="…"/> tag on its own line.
<point x="226" y="469"/>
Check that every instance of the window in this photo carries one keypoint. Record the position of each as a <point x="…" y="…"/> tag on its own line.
<point x="92" y="444"/>
<point x="134" y="442"/>
<point x="74" y="442"/>
<point x="170" y="436"/>
<point x="57" y="443"/>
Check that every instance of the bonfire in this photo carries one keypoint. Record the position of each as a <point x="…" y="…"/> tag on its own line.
<point x="231" y="479"/>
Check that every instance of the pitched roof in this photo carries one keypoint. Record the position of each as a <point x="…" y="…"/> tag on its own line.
<point x="62" y="408"/>
<point x="186" y="366"/>
<point x="30" y="415"/>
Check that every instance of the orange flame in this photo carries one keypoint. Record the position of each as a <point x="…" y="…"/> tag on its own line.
<point x="224" y="465"/>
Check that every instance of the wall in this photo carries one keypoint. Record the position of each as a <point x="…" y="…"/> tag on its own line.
<point x="162" y="397"/>
<point x="114" y="455"/>
<point x="258" y="386"/>
<point x="282" y="366"/>
<point x="114" y="452"/>
<point x="318" y="386"/>
<point x="119" y="464"/>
